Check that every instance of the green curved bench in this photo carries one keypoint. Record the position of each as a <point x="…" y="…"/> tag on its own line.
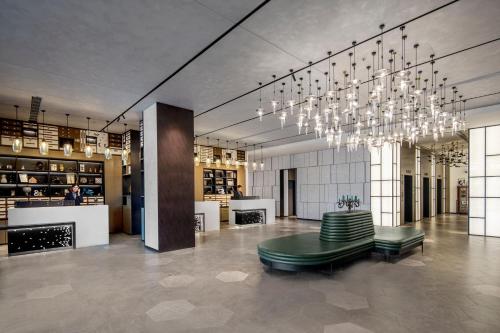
<point x="343" y="236"/>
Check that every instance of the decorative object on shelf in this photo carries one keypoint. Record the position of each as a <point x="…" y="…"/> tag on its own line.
<point x="98" y="180"/>
<point x="32" y="180"/>
<point x="70" y="178"/>
<point x="125" y="151"/>
<point x="107" y="151"/>
<point x="39" y="166"/>
<point x="82" y="167"/>
<point x="61" y="167"/>
<point x="88" y="149"/>
<point x="23" y="178"/>
<point x="3" y="179"/>
<point x="12" y="193"/>
<point x="53" y="167"/>
<point x="17" y="143"/>
<point x="22" y="167"/>
<point x="9" y="167"/>
<point x="67" y="146"/>
<point x="350" y="202"/>
<point x="83" y="180"/>
<point x="56" y="181"/>
<point x="27" y="190"/>
<point x="44" y="146"/>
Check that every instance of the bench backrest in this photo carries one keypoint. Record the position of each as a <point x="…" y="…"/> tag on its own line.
<point x="346" y="227"/>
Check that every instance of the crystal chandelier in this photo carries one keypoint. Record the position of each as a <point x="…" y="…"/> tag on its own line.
<point x="398" y="103"/>
<point x="67" y="146"/>
<point x="44" y="146"/>
<point x="17" y="143"/>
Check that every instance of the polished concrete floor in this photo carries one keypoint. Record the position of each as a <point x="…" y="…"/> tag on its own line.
<point x="220" y="286"/>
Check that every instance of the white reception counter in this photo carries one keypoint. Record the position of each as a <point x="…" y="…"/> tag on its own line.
<point x="211" y="211"/>
<point x="253" y="204"/>
<point x="91" y="222"/>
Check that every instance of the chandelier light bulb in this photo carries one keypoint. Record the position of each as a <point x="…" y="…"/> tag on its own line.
<point x="68" y="150"/>
<point x="88" y="151"/>
<point x="254" y="166"/>
<point x="17" y="145"/>
<point x="261" y="166"/>
<point x="196" y="161"/>
<point x="260" y="113"/>
<point x="208" y="162"/>
<point x="217" y="162"/>
<point x="44" y="148"/>
<point x="107" y="153"/>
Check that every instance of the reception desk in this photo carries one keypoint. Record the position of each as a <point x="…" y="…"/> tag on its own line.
<point x="91" y="222"/>
<point x="211" y="214"/>
<point x="267" y="206"/>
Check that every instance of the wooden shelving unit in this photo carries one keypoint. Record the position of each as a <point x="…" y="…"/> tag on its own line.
<point x="48" y="179"/>
<point x="133" y="194"/>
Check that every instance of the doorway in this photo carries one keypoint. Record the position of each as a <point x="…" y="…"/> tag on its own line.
<point x="288" y="192"/>
<point x="408" y="199"/>
<point x="439" y="201"/>
<point x="426" y="197"/>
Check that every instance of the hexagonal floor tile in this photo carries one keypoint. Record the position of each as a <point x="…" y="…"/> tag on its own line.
<point x="49" y="291"/>
<point x="175" y="281"/>
<point x="346" y="327"/>
<point x="232" y="276"/>
<point x="170" y="310"/>
<point x="210" y="316"/>
<point x="346" y="300"/>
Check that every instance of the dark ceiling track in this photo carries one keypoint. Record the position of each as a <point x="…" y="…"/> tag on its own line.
<point x="364" y="82"/>
<point x="35" y="108"/>
<point x="329" y="56"/>
<point x="234" y="26"/>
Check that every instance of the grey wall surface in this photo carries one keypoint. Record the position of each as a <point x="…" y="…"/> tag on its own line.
<point x="322" y="176"/>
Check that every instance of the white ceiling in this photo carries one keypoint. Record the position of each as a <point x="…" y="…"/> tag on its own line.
<point x="93" y="58"/>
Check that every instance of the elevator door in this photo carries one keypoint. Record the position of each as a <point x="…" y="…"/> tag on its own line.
<point x="439" y="193"/>
<point x="408" y="199"/>
<point x="426" y="197"/>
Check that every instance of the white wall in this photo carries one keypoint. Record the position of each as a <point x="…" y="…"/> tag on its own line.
<point x="322" y="176"/>
<point x="455" y="175"/>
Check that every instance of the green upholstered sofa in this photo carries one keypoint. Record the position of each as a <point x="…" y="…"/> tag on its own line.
<point x="343" y="236"/>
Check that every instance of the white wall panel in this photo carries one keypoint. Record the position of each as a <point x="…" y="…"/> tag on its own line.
<point x="477" y="152"/>
<point x="313" y="211"/>
<point x="493" y="217"/>
<point x="313" y="175"/>
<point x="313" y="193"/>
<point x="324" y="174"/>
<point x="327" y="157"/>
<point x="313" y="158"/>
<point x="493" y="140"/>
<point x="298" y="161"/>
<point x="342" y="173"/>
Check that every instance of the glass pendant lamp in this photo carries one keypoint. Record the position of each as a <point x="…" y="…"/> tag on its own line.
<point x="124" y="149"/>
<point x="17" y="144"/>
<point x="107" y="151"/>
<point x="217" y="161"/>
<point x="88" y="149"/>
<point x="67" y="147"/>
<point x="196" y="154"/>
<point x="44" y="146"/>
<point x="208" y="161"/>
<point x="261" y="159"/>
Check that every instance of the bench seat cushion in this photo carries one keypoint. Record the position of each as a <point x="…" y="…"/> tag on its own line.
<point x="308" y="250"/>
<point x="395" y="239"/>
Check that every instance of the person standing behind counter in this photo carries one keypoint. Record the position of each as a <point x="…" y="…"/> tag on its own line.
<point x="74" y="195"/>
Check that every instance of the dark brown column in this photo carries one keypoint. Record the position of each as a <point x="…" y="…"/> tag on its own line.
<point x="171" y="173"/>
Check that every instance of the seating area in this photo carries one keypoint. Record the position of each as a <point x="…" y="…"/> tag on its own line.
<point x="344" y="236"/>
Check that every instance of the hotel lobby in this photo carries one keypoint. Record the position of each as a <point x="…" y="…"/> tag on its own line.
<point x="250" y="166"/>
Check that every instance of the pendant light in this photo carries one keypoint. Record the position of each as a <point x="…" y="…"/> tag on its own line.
<point x="196" y="154"/>
<point x="254" y="164"/>
<point x="217" y="161"/>
<point x="261" y="160"/>
<point x="236" y="163"/>
<point x="208" y="161"/>
<point x="124" y="148"/>
<point x="227" y="160"/>
<point x="107" y="151"/>
<point x="245" y="162"/>
<point x="67" y="147"/>
<point x="44" y="146"/>
<point x="88" y="149"/>
<point x="17" y="144"/>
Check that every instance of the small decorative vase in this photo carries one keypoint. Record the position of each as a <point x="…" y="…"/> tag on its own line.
<point x="3" y="179"/>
